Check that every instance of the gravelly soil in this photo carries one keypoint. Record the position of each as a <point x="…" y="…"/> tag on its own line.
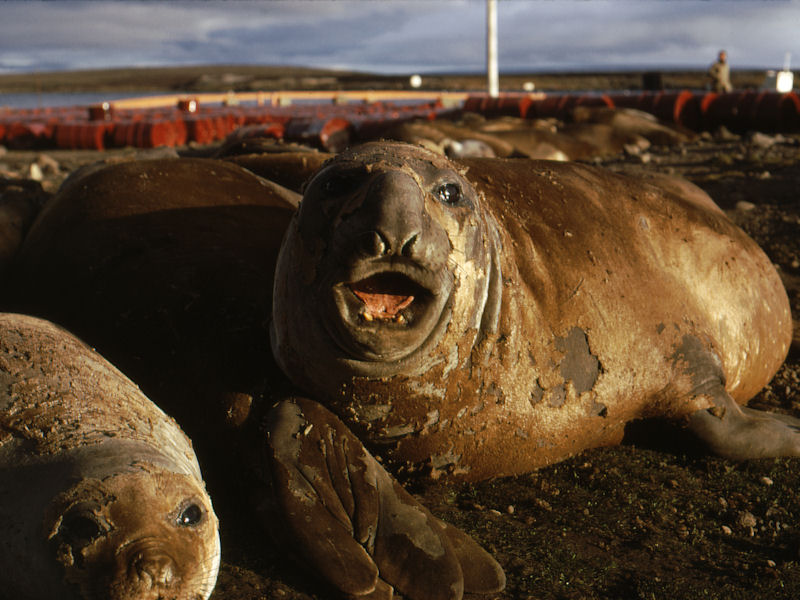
<point x="652" y="519"/>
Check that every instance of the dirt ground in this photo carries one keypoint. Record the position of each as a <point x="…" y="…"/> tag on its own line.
<point x="652" y="519"/>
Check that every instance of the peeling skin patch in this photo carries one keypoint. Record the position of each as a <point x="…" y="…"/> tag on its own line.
<point x="557" y="396"/>
<point x="376" y="412"/>
<point x="439" y="461"/>
<point x="700" y="363"/>
<point x="427" y="389"/>
<point x="537" y="393"/>
<point x="399" y="431"/>
<point x="579" y="365"/>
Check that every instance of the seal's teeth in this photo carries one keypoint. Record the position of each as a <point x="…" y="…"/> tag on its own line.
<point x="367" y="316"/>
<point x="400" y="319"/>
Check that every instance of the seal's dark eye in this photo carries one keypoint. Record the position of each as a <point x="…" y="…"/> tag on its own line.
<point x="79" y="529"/>
<point x="339" y="184"/>
<point x="449" y="193"/>
<point x="190" y="516"/>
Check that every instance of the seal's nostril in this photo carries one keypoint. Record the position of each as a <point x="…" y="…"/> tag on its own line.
<point x="408" y="247"/>
<point x="372" y="243"/>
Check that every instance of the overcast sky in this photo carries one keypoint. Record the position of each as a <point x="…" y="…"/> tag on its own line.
<point x="397" y="36"/>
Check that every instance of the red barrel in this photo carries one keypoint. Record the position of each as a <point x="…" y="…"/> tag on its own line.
<point x="733" y="110"/>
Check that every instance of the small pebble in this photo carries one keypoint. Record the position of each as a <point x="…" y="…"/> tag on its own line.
<point x="35" y="172"/>
<point x="726" y="530"/>
<point x="766" y="480"/>
<point x="746" y="519"/>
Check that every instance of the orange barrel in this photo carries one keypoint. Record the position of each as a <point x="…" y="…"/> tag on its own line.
<point x="681" y="107"/>
<point x="66" y="135"/>
<point x="551" y="106"/>
<point x="474" y="104"/>
<point x="776" y="112"/>
<point x="101" y="112"/>
<point x="157" y="133"/>
<point x="686" y="111"/>
<point x="506" y="105"/>
<point x="92" y="136"/>
<point x="81" y="135"/>
<point x="121" y="134"/>
<point x="22" y="135"/>
<point x="790" y="111"/>
<point x="180" y="132"/>
<point x="200" y="129"/>
<point x="734" y="110"/>
<point x="627" y="100"/>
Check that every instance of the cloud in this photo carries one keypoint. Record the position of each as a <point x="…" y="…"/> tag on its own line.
<point x="395" y="35"/>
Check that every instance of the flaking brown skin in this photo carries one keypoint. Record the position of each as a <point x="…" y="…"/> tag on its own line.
<point x="101" y="496"/>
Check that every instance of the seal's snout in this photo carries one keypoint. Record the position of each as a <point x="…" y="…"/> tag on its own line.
<point x="153" y="569"/>
<point x="148" y="570"/>
<point x="392" y="214"/>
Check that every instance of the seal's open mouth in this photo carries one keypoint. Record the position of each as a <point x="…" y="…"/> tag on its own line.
<point x="385" y="296"/>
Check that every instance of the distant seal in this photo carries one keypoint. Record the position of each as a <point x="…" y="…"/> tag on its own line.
<point x="100" y="493"/>
<point x="487" y="317"/>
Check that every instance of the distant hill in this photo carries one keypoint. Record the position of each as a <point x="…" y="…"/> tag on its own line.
<point x="220" y="78"/>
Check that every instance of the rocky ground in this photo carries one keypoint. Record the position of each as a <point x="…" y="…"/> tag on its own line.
<point x="652" y="519"/>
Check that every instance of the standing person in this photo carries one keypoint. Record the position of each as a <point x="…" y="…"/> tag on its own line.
<point x="720" y="73"/>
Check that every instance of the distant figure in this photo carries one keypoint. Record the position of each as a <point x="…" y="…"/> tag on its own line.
<point x="720" y="73"/>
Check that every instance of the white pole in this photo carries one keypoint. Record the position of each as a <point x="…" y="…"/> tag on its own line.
<point x="491" y="49"/>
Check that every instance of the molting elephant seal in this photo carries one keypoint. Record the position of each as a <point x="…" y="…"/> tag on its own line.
<point x="100" y="492"/>
<point x="487" y="317"/>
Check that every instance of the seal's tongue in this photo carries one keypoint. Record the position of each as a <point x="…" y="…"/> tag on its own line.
<point x="384" y="295"/>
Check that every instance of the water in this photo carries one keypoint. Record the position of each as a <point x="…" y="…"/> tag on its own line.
<point x="45" y="100"/>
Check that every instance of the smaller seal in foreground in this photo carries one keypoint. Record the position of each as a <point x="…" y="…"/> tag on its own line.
<point x="100" y="492"/>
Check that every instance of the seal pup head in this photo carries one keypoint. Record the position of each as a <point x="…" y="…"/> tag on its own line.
<point x="389" y="255"/>
<point x="144" y="534"/>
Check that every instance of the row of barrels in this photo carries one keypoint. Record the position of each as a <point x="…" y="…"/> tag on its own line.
<point x="747" y="110"/>
<point x="330" y="126"/>
<point x="101" y="126"/>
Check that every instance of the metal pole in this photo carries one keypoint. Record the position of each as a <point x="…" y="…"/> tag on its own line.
<point x="493" y="84"/>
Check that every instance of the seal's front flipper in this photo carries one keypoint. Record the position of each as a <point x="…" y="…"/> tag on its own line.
<point x="741" y="433"/>
<point x="343" y="514"/>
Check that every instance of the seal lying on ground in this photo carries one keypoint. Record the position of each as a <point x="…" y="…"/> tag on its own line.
<point x="100" y="493"/>
<point x="488" y="317"/>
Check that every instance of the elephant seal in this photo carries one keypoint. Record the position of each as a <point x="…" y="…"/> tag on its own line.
<point x="100" y="492"/>
<point x="166" y="266"/>
<point x="487" y="317"/>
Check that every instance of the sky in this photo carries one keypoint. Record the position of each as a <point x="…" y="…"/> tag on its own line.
<point x="397" y="36"/>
